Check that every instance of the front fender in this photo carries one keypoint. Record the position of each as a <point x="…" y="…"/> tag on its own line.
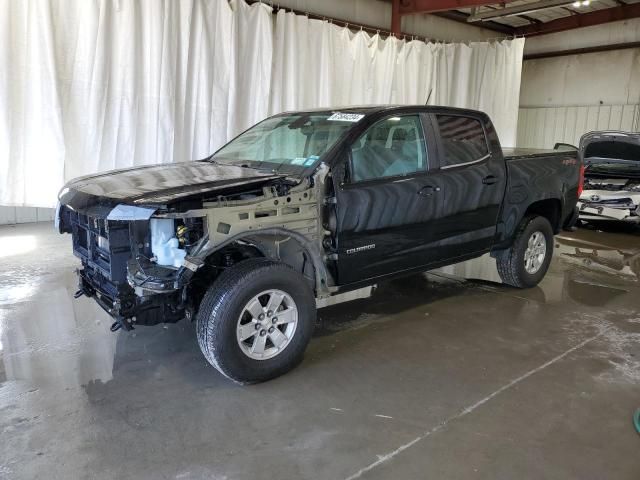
<point x="270" y="241"/>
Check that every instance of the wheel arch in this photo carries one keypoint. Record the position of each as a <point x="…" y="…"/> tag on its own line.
<point x="280" y="244"/>
<point x="549" y="208"/>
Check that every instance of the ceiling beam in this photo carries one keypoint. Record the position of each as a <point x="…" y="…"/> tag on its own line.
<point x="401" y="8"/>
<point x="528" y="19"/>
<point x="597" y="17"/>
<point x="519" y="9"/>
<point x="461" y="17"/>
<point x="570" y="10"/>
<point x="524" y="17"/>
<point x="411" y="7"/>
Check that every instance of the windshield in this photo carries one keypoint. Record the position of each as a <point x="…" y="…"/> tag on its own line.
<point x="287" y="142"/>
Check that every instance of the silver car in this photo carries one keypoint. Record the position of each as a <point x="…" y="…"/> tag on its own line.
<point x="612" y="177"/>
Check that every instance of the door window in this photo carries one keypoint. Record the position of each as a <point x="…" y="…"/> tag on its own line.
<point x="391" y="147"/>
<point x="463" y="140"/>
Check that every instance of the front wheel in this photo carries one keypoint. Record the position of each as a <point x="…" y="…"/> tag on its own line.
<point x="527" y="261"/>
<point x="256" y="320"/>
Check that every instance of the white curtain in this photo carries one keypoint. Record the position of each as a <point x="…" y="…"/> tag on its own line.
<point x="92" y="85"/>
<point x="316" y="63"/>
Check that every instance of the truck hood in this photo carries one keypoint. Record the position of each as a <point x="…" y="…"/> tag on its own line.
<point x="158" y="184"/>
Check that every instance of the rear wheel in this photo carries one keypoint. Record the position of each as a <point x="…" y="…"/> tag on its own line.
<point x="527" y="261"/>
<point x="256" y="320"/>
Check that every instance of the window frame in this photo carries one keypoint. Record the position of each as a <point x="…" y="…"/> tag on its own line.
<point x="426" y="128"/>
<point x="441" y="148"/>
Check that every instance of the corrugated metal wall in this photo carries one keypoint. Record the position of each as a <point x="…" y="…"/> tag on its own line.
<point x="12" y="215"/>
<point x="542" y="127"/>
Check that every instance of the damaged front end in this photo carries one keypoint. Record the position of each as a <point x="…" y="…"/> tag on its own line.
<point x="612" y="177"/>
<point x="133" y="267"/>
<point x="152" y="264"/>
<point x="152" y="239"/>
<point x="610" y="200"/>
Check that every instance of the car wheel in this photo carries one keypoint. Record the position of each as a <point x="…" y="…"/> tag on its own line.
<point x="527" y="261"/>
<point x="255" y="321"/>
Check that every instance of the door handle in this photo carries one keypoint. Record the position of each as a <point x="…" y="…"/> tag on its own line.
<point x="489" y="180"/>
<point x="428" y="190"/>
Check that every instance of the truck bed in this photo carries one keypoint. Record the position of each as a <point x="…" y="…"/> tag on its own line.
<point x="518" y="153"/>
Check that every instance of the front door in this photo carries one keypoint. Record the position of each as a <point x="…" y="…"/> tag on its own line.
<point x="386" y="201"/>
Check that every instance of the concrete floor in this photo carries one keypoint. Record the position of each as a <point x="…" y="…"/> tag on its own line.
<point x="432" y="377"/>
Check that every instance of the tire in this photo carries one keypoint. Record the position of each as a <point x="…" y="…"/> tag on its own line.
<point x="225" y="306"/>
<point x="511" y="263"/>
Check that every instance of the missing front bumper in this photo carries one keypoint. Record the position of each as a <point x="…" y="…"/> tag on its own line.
<point x="128" y="309"/>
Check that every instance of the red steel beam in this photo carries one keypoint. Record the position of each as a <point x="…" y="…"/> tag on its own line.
<point x="589" y="19"/>
<point x="396" y="27"/>
<point x="400" y="8"/>
<point x="410" y="7"/>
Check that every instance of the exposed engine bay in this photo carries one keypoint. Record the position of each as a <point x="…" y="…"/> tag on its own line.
<point x="612" y="177"/>
<point x="152" y="263"/>
<point x="610" y="199"/>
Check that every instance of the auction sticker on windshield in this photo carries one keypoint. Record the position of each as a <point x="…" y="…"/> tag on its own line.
<point x="346" y="117"/>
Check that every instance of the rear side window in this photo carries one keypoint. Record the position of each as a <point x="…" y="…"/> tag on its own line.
<point x="463" y="140"/>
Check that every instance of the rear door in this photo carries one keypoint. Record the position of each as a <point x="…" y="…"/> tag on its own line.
<point x="471" y="176"/>
<point x="386" y="199"/>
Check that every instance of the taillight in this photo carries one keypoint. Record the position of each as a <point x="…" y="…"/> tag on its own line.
<point x="581" y="181"/>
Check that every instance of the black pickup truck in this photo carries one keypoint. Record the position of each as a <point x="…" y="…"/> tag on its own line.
<point x="303" y="206"/>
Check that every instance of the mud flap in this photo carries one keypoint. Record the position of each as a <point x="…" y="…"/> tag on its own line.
<point x="572" y="222"/>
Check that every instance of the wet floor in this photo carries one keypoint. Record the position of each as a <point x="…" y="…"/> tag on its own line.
<point x="434" y="376"/>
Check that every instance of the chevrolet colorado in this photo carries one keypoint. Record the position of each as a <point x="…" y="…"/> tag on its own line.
<point x="301" y="207"/>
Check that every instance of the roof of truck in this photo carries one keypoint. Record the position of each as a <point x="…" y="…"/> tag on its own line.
<point x="369" y="109"/>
